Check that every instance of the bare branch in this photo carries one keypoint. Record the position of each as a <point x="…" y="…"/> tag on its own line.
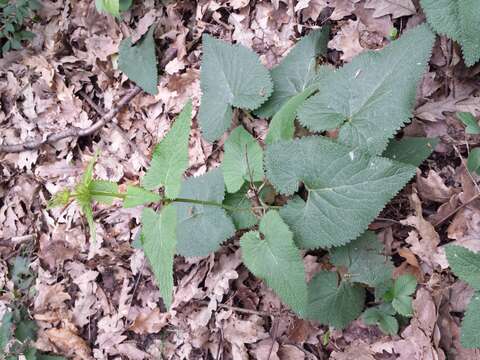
<point x="73" y="132"/>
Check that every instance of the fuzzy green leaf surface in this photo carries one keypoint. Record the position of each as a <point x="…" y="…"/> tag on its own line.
<point x="137" y="195"/>
<point x="97" y="187"/>
<point x="334" y="302"/>
<point x="403" y="288"/>
<point x="243" y="219"/>
<point x="370" y="98"/>
<point x="170" y="157"/>
<point x="275" y="259"/>
<point x="296" y="72"/>
<point x="410" y="150"/>
<point x="139" y="61"/>
<point x="465" y="264"/>
<point x="109" y="6"/>
<point x="364" y="260"/>
<point x="159" y="243"/>
<point x="242" y="160"/>
<point x="383" y="316"/>
<point x="473" y="161"/>
<point x="6" y="330"/>
<point x="282" y="126"/>
<point x="346" y="188"/>
<point x="470" y="332"/>
<point x="202" y="228"/>
<point x="230" y="75"/>
<point x="457" y="19"/>
<point x="470" y="122"/>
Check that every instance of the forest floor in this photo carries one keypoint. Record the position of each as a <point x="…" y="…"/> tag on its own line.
<point x="98" y="300"/>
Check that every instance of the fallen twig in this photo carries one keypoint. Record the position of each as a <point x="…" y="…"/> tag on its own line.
<point x="73" y="132"/>
<point x="122" y="133"/>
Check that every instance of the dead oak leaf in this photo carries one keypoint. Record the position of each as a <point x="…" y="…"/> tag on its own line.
<point x="69" y="343"/>
<point x="149" y="321"/>
<point x="343" y="8"/>
<point x="310" y="9"/>
<point x="397" y="8"/>
<point x="347" y="40"/>
<point x="433" y="188"/>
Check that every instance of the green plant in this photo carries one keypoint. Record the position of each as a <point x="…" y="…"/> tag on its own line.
<point x="346" y="181"/>
<point x="113" y="7"/>
<point x="471" y="124"/>
<point x="457" y="19"/>
<point x="13" y="15"/>
<point x="139" y="62"/>
<point x="17" y="330"/>
<point x="473" y="161"/>
<point x="466" y="265"/>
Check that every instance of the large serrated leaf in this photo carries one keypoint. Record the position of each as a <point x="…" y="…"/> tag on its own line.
<point x="231" y="75"/>
<point x="334" y="303"/>
<point x="373" y="96"/>
<point x="410" y="150"/>
<point x="346" y="188"/>
<point x="139" y="62"/>
<point x="457" y="19"/>
<point x="275" y="259"/>
<point x="202" y="228"/>
<point x="159" y="242"/>
<point x="364" y="260"/>
<point x="465" y="264"/>
<point x="470" y="332"/>
<point x="242" y="160"/>
<point x="296" y="72"/>
<point x="170" y="158"/>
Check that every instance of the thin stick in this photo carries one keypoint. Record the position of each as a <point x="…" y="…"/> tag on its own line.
<point x="453" y="212"/>
<point x="74" y="131"/>
<point x="122" y="133"/>
<point x="274" y="336"/>
<point x="237" y="309"/>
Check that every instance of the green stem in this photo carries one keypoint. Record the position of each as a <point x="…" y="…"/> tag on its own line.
<point x="185" y="200"/>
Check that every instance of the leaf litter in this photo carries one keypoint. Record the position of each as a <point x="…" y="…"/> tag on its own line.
<point x="99" y="300"/>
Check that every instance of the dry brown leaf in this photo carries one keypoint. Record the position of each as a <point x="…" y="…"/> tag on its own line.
<point x="347" y="40"/>
<point x="356" y="351"/>
<point x="433" y="187"/>
<point x="149" y="321"/>
<point x="69" y="343"/>
<point x="343" y="8"/>
<point x="397" y="8"/>
<point x="264" y="350"/>
<point x="311" y="9"/>
<point x="427" y="248"/>
<point x="290" y="352"/>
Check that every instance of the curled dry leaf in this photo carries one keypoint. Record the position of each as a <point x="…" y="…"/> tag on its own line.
<point x="426" y="248"/>
<point x="347" y="40"/>
<point x="69" y="343"/>
<point x="149" y="321"/>
<point x="433" y="187"/>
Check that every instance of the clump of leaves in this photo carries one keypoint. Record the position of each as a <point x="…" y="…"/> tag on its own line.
<point x="17" y="329"/>
<point x="13" y="15"/>
<point x="466" y="265"/>
<point x="113" y="7"/>
<point x="457" y="19"/>
<point x="335" y="187"/>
